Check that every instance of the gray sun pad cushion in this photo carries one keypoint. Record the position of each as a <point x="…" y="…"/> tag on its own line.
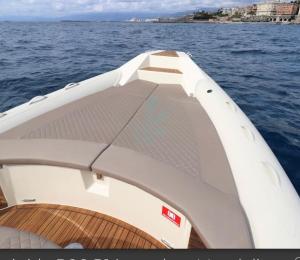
<point x="155" y="137"/>
<point x="64" y="153"/>
<point x="171" y="149"/>
<point x="75" y="134"/>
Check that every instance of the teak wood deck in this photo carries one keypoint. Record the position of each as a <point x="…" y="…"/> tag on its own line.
<point x="64" y="225"/>
<point x="195" y="241"/>
<point x="3" y="203"/>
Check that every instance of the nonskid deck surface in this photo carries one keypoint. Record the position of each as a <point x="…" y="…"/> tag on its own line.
<point x="166" y="53"/>
<point x="156" y="69"/>
<point x="64" y="225"/>
<point x="176" y="150"/>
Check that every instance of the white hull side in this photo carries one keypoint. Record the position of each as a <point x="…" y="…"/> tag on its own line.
<point x="38" y="184"/>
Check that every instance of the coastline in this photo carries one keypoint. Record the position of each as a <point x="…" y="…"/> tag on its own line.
<point x="222" y="22"/>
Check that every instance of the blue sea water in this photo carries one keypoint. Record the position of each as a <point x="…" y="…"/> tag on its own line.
<point x="257" y="64"/>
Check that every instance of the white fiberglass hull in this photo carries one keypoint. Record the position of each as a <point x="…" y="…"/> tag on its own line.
<point x="268" y="198"/>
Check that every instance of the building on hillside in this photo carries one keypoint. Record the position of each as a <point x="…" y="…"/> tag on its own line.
<point x="235" y="11"/>
<point x="226" y="11"/>
<point x="252" y="9"/>
<point x="266" y="9"/>
<point x="286" y="12"/>
<point x="249" y="10"/>
<point x="287" y="9"/>
<point x="229" y="11"/>
<point x="243" y="11"/>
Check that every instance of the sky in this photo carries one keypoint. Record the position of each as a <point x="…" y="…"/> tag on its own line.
<point x="68" y="7"/>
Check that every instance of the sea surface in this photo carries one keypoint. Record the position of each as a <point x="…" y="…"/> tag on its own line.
<point x="257" y="64"/>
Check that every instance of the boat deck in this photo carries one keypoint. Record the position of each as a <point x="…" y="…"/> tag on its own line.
<point x="64" y="225"/>
<point x="144" y="134"/>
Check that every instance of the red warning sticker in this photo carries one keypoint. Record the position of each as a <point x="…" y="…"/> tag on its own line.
<point x="170" y="215"/>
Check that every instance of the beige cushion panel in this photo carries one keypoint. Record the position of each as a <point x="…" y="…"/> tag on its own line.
<point x="75" y="134"/>
<point x="172" y="91"/>
<point x="14" y="239"/>
<point x="176" y="130"/>
<point x="64" y="153"/>
<point x="172" y="149"/>
<point x="96" y="118"/>
<point x="216" y="216"/>
<point x="162" y="141"/>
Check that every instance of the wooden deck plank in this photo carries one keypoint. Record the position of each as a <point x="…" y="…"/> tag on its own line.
<point x="3" y="202"/>
<point x="81" y="235"/>
<point x="78" y="222"/>
<point x="141" y="243"/>
<point x="116" y="238"/>
<point x="195" y="241"/>
<point x="7" y="214"/>
<point x="28" y="222"/>
<point x="147" y="245"/>
<point x="134" y="242"/>
<point x="107" y="241"/>
<point x="59" y="229"/>
<point x="145" y="237"/>
<point x="18" y="218"/>
<point x="105" y="232"/>
<point x="122" y="239"/>
<point x="26" y="217"/>
<point x="56" y="223"/>
<point x="63" y="225"/>
<point x="44" y="228"/>
<point x="91" y="229"/>
<point x="165" y="70"/>
<point x="97" y="235"/>
<point x="128" y="240"/>
<point x="36" y="221"/>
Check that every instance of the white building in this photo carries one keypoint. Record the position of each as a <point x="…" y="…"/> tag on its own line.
<point x="230" y="11"/>
<point x="267" y="8"/>
<point x="227" y="11"/>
